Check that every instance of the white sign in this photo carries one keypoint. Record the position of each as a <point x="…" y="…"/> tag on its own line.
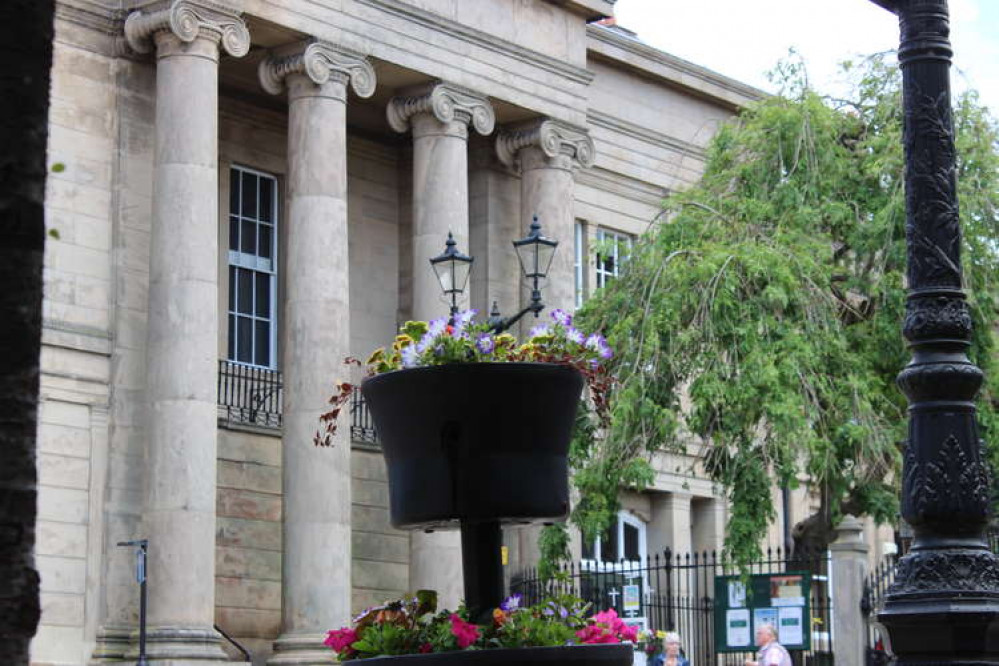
<point x="791" y="629"/>
<point x="737" y="627"/>
<point x="736" y="594"/>
<point x="764" y="616"/>
<point x="632" y="600"/>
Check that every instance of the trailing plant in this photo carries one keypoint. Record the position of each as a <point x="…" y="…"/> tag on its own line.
<point x="461" y="340"/>
<point x="758" y="326"/>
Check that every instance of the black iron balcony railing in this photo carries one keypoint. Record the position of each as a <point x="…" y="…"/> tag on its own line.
<point x="248" y="395"/>
<point x="362" y="427"/>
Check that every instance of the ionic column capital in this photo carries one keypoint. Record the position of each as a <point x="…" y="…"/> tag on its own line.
<point x="557" y="140"/>
<point x="188" y="20"/>
<point x="447" y="103"/>
<point x="320" y="62"/>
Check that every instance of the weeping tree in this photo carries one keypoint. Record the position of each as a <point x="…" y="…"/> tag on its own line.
<point x="760" y="315"/>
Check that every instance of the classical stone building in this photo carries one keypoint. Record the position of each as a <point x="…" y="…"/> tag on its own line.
<point x="251" y="190"/>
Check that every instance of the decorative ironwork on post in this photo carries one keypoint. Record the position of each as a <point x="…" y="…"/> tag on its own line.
<point x="943" y="607"/>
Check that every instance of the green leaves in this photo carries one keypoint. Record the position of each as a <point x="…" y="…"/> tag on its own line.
<point x="764" y="317"/>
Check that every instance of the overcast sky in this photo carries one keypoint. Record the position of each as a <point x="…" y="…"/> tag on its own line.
<point x="744" y="39"/>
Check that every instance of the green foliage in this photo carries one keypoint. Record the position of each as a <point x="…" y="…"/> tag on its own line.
<point x="763" y="317"/>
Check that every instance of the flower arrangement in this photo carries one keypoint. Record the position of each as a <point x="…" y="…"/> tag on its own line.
<point x="414" y="626"/>
<point x="461" y="340"/>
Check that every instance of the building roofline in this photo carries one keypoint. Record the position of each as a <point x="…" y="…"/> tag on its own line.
<point x="608" y="44"/>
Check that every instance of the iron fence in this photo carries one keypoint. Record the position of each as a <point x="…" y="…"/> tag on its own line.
<point x="677" y="594"/>
<point x="249" y="395"/>
<point x="362" y="426"/>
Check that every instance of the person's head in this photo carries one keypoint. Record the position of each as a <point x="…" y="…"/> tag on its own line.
<point x="671" y="644"/>
<point x="765" y="633"/>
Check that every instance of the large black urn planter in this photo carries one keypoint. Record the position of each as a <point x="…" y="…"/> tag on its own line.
<point x="475" y="442"/>
<point x="575" y="655"/>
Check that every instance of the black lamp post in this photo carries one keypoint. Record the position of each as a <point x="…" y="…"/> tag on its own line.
<point x="452" y="269"/>
<point x="535" y="253"/>
<point x="944" y="605"/>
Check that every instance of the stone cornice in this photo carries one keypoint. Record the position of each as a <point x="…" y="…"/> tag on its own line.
<point x="90" y="15"/>
<point x="447" y="103"/>
<point x="188" y="20"/>
<point x="677" y="72"/>
<point x="607" y="121"/>
<point x="554" y="138"/>
<point x="319" y="61"/>
<point x="622" y="185"/>
<point x="482" y="39"/>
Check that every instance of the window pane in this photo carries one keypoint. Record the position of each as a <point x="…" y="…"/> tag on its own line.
<point x="244" y="339"/>
<point x="249" y="195"/>
<point x="233" y="192"/>
<point x="265" y="241"/>
<point x="262" y="343"/>
<point x="267" y="187"/>
<point x="232" y="288"/>
<point x="232" y="338"/>
<point x="248" y="237"/>
<point x="244" y="293"/>
<point x="631" y="542"/>
<point x="263" y="295"/>
<point x="608" y="545"/>
<point x="234" y="233"/>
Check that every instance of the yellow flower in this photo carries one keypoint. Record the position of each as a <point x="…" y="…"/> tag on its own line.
<point x="660" y="634"/>
<point x="401" y="341"/>
<point x="376" y="356"/>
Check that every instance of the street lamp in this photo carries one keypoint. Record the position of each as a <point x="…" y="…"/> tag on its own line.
<point x="535" y="253"/>
<point x="452" y="269"/>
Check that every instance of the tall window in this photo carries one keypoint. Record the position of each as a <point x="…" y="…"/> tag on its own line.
<point x="579" y="261"/>
<point x="612" y="249"/>
<point x="622" y="544"/>
<point x="253" y="209"/>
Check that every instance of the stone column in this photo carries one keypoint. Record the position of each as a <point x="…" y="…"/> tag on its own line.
<point x="182" y="346"/>
<point x="439" y="116"/>
<point x="316" y="564"/>
<point x="547" y="151"/>
<point x="849" y="572"/>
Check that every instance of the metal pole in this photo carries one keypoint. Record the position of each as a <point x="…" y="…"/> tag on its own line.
<point x="482" y="566"/>
<point x="141" y="553"/>
<point x="943" y="607"/>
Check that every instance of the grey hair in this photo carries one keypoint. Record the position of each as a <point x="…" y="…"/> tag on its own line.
<point x="671" y="637"/>
<point x="769" y="628"/>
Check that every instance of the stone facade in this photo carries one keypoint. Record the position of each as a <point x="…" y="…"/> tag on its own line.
<point x="378" y="126"/>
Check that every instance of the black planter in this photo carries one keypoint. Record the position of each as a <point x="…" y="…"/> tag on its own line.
<point x="475" y="442"/>
<point x="575" y="655"/>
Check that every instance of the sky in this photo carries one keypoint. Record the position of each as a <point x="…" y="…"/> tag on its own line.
<point x="743" y="39"/>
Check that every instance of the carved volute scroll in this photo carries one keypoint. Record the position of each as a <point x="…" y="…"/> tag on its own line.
<point x="188" y="20"/>
<point x="557" y="140"/>
<point x="448" y="103"/>
<point x="321" y="62"/>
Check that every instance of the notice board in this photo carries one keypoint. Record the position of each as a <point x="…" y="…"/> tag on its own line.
<point x="780" y="599"/>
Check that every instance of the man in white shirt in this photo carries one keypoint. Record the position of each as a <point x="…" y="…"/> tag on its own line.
<point x="771" y="653"/>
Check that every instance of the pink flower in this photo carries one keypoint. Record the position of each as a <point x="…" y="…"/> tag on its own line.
<point x="341" y="639"/>
<point x="465" y="632"/>
<point x="596" y="634"/>
<point x="607" y="627"/>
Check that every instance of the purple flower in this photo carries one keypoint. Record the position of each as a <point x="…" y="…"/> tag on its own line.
<point x="574" y="335"/>
<point x="562" y="317"/>
<point x="598" y="343"/>
<point x="485" y="344"/>
<point x="512" y="602"/>
<point x="410" y="357"/>
<point x="436" y="327"/>
<point x="538" y="330"/>
<point x="462" y="320"/>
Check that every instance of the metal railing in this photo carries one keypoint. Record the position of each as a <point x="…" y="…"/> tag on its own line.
<point x="676" y="593"/>
<point x="248" y="395"/>
<point x="362" y="426"/>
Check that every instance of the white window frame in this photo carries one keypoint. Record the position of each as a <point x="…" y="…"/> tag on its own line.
<point x="623" y="518"/>
<point x="620" y="240"/>
<point x="256" y="264"/>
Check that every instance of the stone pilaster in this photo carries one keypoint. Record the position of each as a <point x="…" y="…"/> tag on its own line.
<point x="547" y="152"/>
<point x="179" y="503"/>
<point x="849" y="573"/>
<point x="439" y="116"/>
<point x="316" y="564"/>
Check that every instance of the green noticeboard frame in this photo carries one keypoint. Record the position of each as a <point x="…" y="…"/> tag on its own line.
<point x="780" y="599"/>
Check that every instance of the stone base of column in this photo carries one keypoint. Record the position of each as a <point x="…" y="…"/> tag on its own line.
<point x="113" y="643"/>
<point x="179" y="646"/>
<point x="302" y="650"/>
